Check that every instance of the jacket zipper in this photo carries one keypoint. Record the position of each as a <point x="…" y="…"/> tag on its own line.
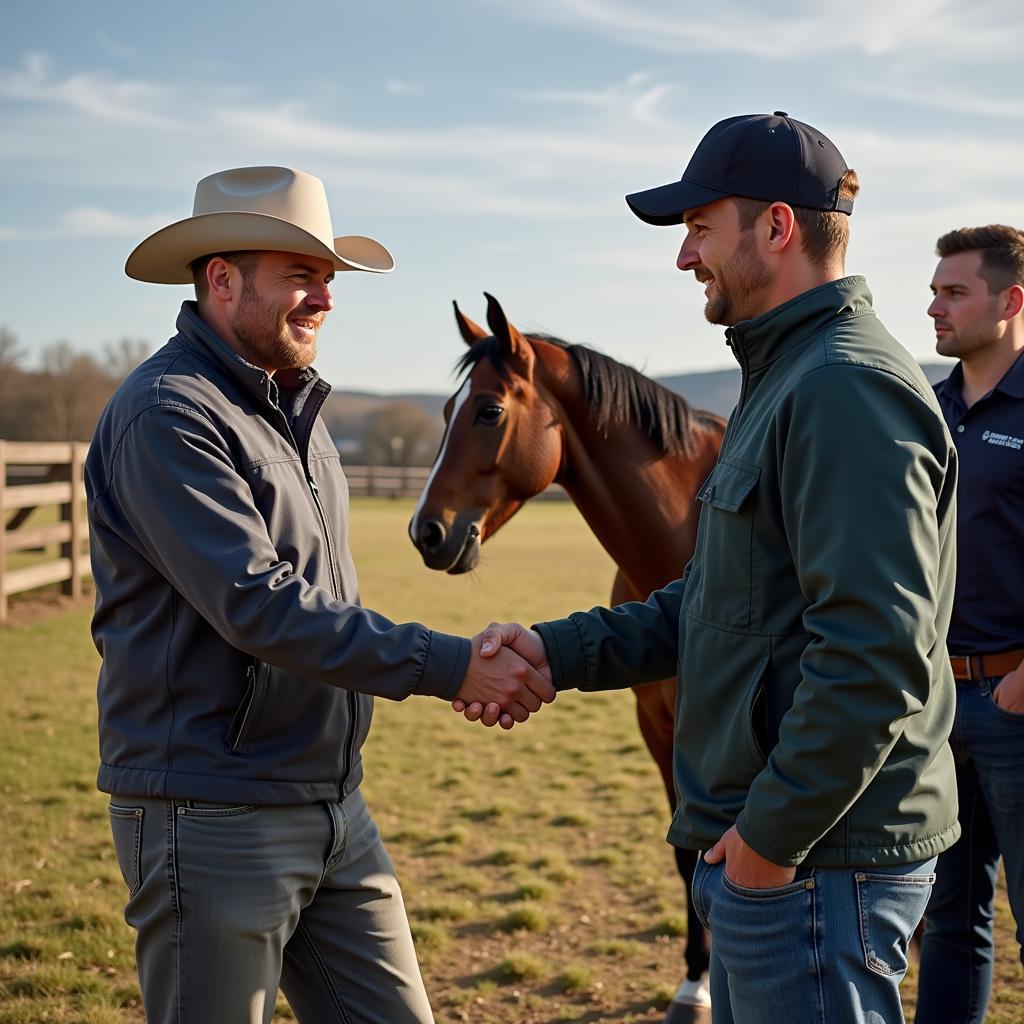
<point x="314" y="490"/>
<point x="257" y="677"/>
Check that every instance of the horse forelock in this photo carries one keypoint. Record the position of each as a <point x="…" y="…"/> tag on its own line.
<point x="615" y="393"/>
<point x="486" y="348"/>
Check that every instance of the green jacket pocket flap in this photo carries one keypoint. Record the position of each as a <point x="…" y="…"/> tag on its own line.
<point x="729" y="485"/>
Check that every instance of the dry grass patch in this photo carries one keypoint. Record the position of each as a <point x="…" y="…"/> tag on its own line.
<point x="61" y="890"/>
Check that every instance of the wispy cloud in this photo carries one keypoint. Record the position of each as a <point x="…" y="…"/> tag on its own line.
<point x="90" y="222"/>
<point x="398" y="87"/>
<point x="638" y="98"/>
<point x="938" y="28"/>
<point x="96" y="95"/>
<point x="115" y="47"/>
<point x="935" y="93"/>
<point x="568" y="169"/>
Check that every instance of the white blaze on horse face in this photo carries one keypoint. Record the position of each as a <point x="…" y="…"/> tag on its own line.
<point x="460" y="401"/>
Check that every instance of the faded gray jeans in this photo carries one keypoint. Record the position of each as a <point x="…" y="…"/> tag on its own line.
<point x="232" y="902"/>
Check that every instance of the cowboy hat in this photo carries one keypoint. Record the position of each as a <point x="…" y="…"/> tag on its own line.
<point x="253" y="208"/>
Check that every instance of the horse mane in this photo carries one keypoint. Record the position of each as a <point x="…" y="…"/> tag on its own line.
<point x="615" y="393"/>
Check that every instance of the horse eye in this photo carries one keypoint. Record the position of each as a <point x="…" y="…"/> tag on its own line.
<point x="489" y="414"/>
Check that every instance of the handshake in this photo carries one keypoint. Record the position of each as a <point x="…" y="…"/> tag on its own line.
<point x="508" y="676"/>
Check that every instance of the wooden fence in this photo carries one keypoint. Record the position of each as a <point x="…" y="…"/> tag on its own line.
<point x="385" y="481"/>
<point x="41" y="483"/>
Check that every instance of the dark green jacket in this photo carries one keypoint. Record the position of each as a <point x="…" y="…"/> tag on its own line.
<point x="808" y="631"/>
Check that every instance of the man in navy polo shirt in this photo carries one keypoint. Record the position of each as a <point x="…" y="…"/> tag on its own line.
<point x="977" y="309"/>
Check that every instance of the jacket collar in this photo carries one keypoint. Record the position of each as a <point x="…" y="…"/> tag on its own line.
<point x="1012" y="382"/>
<point x="759" y="341"/>
<point x="198" y="334"/>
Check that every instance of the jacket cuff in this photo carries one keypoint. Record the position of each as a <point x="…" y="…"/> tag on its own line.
<point x="445" y="665"/>
<point x="566" y="654"/>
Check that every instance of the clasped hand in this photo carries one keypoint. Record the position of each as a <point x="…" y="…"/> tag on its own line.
<point x="508" y="676"/>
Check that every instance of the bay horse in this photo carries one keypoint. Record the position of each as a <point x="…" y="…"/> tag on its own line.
<point x="534" y="410"/>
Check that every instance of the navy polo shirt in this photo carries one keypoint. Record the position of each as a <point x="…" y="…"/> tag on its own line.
<point x="988" y="603"/>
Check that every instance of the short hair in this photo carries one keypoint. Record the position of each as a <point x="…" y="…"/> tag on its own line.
<point x="825" y="233"/>
<point x="1001" y="248"/>
<point x="245" y="260"/>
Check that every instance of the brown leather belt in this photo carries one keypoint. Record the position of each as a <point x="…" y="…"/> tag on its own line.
<point x="981" y="666"/>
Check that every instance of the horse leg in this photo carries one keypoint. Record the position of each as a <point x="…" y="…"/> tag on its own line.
<point x="655" y="715"/>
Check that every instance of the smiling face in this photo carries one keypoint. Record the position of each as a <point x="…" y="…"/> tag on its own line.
<point x="725" y="259"/>
<point x="281" y="308"/>
<point x="966" y="315"/>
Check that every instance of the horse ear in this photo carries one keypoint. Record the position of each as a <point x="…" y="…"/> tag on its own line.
<point x="471" y="332"/>
<point x="513" y="344"/>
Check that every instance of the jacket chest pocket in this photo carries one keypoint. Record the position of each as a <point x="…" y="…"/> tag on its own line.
<point x="725" y="543"/>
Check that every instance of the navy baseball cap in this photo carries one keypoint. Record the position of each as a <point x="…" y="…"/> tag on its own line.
<point x="760" y="156"/>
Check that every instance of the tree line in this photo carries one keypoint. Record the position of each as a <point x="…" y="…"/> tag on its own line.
<point x="61" y="398"/>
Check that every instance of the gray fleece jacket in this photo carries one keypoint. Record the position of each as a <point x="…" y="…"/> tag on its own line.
<point x="238" y="663"/>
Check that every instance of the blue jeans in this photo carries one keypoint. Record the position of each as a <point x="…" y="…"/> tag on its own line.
<point x="829" y="947"/>
<point x="231" y="902"/>
<point x="957" y="950"/>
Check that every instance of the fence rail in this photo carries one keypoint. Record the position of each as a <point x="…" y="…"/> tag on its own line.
<point x="42" y="481"/>
<point x="43" y="477"/>
<point x="385" y="481"/>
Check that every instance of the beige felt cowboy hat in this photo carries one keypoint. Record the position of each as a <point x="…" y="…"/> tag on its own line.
<point x="253" y="208"/>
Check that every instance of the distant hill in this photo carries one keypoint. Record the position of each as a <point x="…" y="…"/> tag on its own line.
<point x="345" y="412"/>
<point x="715" y="390"/>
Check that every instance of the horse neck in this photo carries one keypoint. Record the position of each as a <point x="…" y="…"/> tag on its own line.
<point x="637" y="501"/>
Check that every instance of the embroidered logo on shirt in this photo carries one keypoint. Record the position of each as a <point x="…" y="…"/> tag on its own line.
<point x="1003" y="440"/>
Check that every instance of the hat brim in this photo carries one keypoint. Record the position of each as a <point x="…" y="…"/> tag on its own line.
<point x="666" y="204"/>
<point x="164" y="257"/>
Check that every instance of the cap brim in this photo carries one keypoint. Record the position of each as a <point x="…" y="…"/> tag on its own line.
<point x="667" y="203"/>
<point x="164" y="257"/>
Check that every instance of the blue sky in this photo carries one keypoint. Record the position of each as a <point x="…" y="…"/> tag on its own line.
<point x="488" y="144"/>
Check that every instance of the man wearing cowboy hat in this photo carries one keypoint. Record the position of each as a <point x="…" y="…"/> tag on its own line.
<point x="239" y="667"/>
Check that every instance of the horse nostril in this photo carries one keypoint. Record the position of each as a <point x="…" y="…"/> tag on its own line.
<point x="432" y="535"/>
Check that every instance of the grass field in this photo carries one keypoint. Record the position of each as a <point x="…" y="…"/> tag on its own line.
<point x="533" y="862"/>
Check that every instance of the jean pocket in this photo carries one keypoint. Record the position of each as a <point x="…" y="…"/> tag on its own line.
<point x="1016" y="717"/>
<point x="803" y="881"/>
<point x="126" y="828"/>
<point x="211" y="809"/>
<point x="889" y="908"/>
<point x="700" y="874"/>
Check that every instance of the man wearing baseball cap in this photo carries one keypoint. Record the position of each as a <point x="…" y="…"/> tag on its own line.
<point x="808" y="630"/>
<point x="239" y="667"/>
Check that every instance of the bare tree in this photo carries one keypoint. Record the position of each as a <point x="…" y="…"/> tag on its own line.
<point x="400" y="434"/>
<point x="11" y="353"/>
<point x="121" y="357"/>
<point x="13" y="396"/>
<point x="72" y="390"/>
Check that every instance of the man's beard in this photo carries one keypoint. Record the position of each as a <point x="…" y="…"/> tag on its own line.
<point x="740" y="286"/>
<point x="265" y="335"/>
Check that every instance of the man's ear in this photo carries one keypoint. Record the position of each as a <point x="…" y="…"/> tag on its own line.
<point x="1013" y="302"/>
<point x="221" y="279"/>
<point x="781" y="223"/>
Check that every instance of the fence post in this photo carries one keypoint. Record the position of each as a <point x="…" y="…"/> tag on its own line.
<point x="3" y="533"/>
<point x="73" y="549"/>
<point x="369" y="481"/>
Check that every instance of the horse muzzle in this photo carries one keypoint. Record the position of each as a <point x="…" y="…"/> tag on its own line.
<point x="455" y="550"/>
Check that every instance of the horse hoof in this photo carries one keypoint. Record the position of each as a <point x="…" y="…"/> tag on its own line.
<point x="691" y="1004"/>
<point x="680" y="1013"/>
